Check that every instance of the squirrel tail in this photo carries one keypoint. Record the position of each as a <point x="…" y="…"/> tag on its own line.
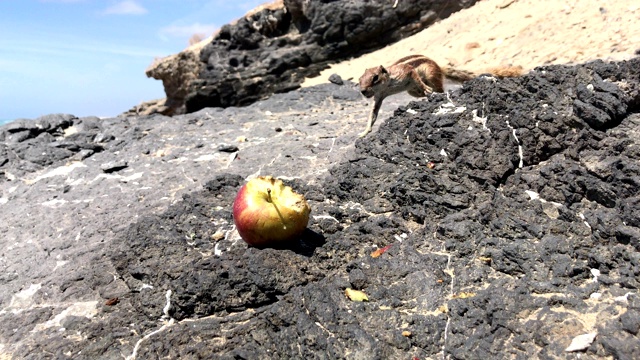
<point x="457" y="75"/>
<point x="506" y="71"/>
<point x="499" y="72"/>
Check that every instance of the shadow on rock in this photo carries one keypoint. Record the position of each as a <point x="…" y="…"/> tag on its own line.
<point x="305" y="245"/>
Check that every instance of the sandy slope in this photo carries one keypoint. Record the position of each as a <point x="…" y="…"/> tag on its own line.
<point x="528" y="33"/>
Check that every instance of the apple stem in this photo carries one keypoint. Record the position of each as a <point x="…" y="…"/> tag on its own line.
<point x="284" y="225"/>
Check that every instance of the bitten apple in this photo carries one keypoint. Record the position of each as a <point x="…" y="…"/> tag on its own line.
<point x="267" y="212"/>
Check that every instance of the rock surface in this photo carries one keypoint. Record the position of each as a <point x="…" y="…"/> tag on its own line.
<point x="274" y="49"/>
<point x="509" y="209"/>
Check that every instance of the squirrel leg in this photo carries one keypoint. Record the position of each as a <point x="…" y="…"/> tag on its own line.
<point x="424" y="88"/>
<point x="372" y="116"/>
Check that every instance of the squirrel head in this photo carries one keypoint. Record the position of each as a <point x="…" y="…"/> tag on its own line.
<point x="372" y="79"/>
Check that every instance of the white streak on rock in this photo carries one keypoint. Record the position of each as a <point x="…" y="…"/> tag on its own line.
<point x="86" y="201"/>
<point x="87" y="309"/>
<point x="179" y="160"/>
<point x="22" y="299"/>
<point x="448" y="108"/>
<point x="581" y="216"/>
<point x="167" y="324"/>
<point x="624" y="298"/>
<point x="54" y="203"/>
<point x="216" y="250"/>
<point x="119" y="177"/>
<point x="59" y="171"/>
<point x="320" y="217"/>
<point x="205" y="158"/>
<point x="481" y="120"/>
<point x="532" y="194"/>
<point x="60" y="263"/>
<point x="400" y="237"/>
<point x="581" y="342"/>
<point x="520" y="153"/>
<point x="135" y="348"/>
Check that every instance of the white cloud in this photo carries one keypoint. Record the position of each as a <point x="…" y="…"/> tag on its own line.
<point x="127" y="7"/>
<point x="186" y="31"/>
<point x="77" y="50"/>
<point x="239" y="7"/>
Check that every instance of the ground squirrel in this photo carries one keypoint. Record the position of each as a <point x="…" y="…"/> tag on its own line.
<point x="416" y="74"/>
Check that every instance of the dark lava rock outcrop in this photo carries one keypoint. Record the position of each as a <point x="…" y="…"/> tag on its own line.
<point x="273" y="50"/>
<point x="509" y="209"/>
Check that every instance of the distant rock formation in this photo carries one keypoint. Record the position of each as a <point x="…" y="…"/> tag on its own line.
<point x="272" y="49"/>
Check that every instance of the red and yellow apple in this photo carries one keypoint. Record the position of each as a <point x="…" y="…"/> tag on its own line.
<point x="266" y="212"/>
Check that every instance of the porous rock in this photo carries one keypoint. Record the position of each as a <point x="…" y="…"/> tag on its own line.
<point x="510" y="218"/>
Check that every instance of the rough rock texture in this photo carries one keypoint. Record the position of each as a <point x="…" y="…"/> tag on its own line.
<point x="176" y="72"/>
<point x="526" y="33"/>
<point x="150" y="107"/>
<point x="273" y="50"/>
<point x="509" y="208"/>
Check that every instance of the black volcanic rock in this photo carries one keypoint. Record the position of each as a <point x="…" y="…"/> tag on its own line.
<point x="510" y="219"/>
<point x="49" y="139"/>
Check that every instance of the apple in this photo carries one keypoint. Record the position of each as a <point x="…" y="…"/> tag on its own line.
<point x="266" y="212"/>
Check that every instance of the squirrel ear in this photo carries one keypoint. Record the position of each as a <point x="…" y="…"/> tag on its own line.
<point x="382" y="69"/>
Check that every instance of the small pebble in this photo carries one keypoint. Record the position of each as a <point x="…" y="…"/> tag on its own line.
<point x="228" y="148"/>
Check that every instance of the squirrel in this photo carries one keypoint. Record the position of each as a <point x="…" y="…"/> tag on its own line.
<point x="417" y="75"/>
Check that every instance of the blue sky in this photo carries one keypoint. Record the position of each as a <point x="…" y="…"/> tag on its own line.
<point x="86" y="57"/>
